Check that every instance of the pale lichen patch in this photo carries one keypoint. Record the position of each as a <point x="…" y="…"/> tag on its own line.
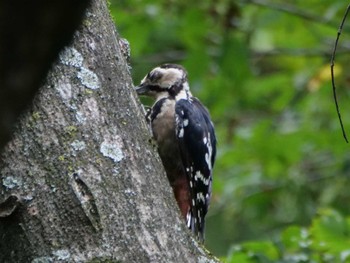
<point x="10" y="182"/>
<point x="78" y="145"/>
<point x="80" y="117"/>
<point x="111" y="147"/>
<point x="89" y="79"/>
<point x="62" y="254"/>
<point x="71" y="57"/>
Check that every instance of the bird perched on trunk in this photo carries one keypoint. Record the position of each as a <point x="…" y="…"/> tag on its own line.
<point x="186" y="141"/>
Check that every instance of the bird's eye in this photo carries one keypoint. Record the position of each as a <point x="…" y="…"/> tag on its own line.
<point x="154" y="76"/>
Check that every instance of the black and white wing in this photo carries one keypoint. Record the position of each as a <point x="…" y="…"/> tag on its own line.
<point x="197" y="142"/>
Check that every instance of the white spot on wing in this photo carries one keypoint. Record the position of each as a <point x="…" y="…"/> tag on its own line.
<point x="185" y="122"/>
<point x="177" y="120"/>
<point x="188" y="218"/>
<point x="199" y="216"/>
<point x="200" y="197"/>
<point x="205" y="139"/>
<point x="209" y="153"/>
<point x="199" y="177"/>
<point x="181" y="133"/>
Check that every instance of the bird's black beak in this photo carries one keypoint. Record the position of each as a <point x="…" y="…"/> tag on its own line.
<point x="142" y="89"/>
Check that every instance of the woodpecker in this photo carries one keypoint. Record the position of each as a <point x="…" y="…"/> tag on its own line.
<point x="186" y="141"/>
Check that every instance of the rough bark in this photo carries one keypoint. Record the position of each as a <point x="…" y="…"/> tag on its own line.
<point x="80" y="180"/>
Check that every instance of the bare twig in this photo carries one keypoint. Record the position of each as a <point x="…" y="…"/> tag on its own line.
<point x="332" y="71"/>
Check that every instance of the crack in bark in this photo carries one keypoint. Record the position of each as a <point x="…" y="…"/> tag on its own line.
<point x="86" y="200"/>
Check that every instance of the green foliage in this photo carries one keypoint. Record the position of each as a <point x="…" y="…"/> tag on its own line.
<point x="262" y="69"/>
<point x="326" y="240"/>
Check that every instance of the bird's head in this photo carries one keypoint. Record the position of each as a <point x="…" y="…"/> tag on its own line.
<point x="164" y="81"/>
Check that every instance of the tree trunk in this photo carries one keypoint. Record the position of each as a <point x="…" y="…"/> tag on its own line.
<point x="31" y="35"/>
<point x="81" y="181"/>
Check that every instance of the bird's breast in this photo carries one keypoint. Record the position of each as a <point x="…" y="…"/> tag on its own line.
<point x="163" y="125"/>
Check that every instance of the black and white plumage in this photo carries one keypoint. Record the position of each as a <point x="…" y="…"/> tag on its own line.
<point x="186" y="140"/>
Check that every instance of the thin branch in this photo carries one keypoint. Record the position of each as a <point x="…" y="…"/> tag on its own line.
<point x="332" y="71"/>
<point x="290" y="9"/>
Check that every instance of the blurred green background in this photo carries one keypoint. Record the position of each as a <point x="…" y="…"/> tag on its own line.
<point x="282" y="175"/>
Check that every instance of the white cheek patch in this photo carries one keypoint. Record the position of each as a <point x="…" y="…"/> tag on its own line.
<point x="186" y="86"/>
